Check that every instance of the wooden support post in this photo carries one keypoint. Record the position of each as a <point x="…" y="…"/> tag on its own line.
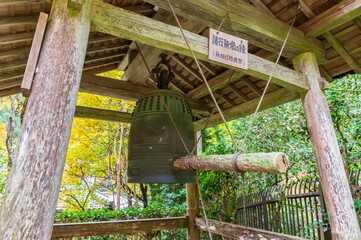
<point x="275" y="162"/>
<point x="192" y="211"/>
<point x="33" y="186"/>
<point x="336" y="190"/>
<point x="193" y="232"/>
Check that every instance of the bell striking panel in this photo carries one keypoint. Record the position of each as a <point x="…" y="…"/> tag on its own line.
<point x="154" y="141"/>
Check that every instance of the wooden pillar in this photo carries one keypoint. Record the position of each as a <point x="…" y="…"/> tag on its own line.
<point x="336" y="191"/>
<point x="193" y="203"/>
<point x="33" y="187"/>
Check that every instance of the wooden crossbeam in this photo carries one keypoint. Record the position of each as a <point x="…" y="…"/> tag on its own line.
<point x="102" y="114"/>
<point x="250" y="23"/>
<point x="235" y="231"/>
<point x="71" y="230"/>
<point x="119" y="22"/>
<point x="10" y="91"/>
<point x="333" y="17"/>
<point x="270" y="100"/>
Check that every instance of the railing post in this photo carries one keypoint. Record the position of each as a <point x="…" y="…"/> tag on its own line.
<point x="265" y="212"/>
<point x="325" y="234"/>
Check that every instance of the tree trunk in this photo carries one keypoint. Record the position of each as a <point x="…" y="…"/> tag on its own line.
<point x="33" y="187"/>
<point x="336" y="191"/>
<point x="144" y="191"/>
<point x="10" y="133"/>
<point x="118" y="164"/>
<point x="252" y="162"/>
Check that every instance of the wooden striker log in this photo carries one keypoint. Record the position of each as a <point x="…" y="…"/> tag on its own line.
<point x="275" y="162"/>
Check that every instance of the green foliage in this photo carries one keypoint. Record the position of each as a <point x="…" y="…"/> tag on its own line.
<point x="152" y="211"/>
<point x="155" y="210"/>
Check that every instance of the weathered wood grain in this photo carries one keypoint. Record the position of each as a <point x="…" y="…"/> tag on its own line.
<point x="192" y="211"/>
<point x="71" y="230"/>
<point x="342" y="51"/>
<point x="252" y="24"/>
<point x="102" y="114"/>
<point x="118" y="22"/>
<point x="215" y="83"/>
<point x="32" y="189"/>
<point x="336" y="190"/>
<point x="333" y="17"/>
<point x="34" y="54"/>
<point x="236" y="231"/>
<point x="276" y="162"/>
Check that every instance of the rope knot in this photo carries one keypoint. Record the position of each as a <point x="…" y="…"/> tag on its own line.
<point x="245" y="234"/>
<point x="234" y="160"/>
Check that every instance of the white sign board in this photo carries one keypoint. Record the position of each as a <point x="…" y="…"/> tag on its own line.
<point x="228" y="49"/>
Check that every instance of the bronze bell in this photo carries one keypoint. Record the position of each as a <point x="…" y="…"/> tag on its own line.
<point x="153" y="139"/>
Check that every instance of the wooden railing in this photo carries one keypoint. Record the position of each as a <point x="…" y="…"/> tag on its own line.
<point x="297" y="209"/>
<point x="70" y="230"/>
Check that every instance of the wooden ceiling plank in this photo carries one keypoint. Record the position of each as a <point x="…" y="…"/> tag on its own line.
<point x="238" y="93"/>
<point x="17" y="20"/>
<point x="215" y="83"/>
<point x="252" y="86"/>
<point x="180" y="76"/>
<point x="14" y="2"/>
<point x="331" y="18"/>
<point x="252" y="24"/>
<point x="16" y="38"/>
<point x="141" y="9"/>
<point x="185" y="65"/>
<point x="10" y="91"/>
<point x="14" y="52"/>
<point x="116" y="21"/>
<point x="209" y="68"/>
<point x="12" y="75"/>
<point x="107" y="47"/>
<point x="342" y="51"/>
<point x="270" y="100"/>
<point x="10" y="83"/>
<point x="225" y="98"/>
<point x="260" y="5"/>
<point x="358" y="22"/>
<point x="333" y="41"/>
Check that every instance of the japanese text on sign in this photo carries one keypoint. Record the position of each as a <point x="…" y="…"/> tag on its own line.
<point x="228" y="49"/>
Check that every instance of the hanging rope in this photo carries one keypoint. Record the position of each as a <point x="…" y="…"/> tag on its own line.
<point x="202" y="74"/>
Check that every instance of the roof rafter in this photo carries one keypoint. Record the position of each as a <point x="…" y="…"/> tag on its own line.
<point x="332" y="40"/>
<point x="116" y="21"/>
<point x="333" y="17"/>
